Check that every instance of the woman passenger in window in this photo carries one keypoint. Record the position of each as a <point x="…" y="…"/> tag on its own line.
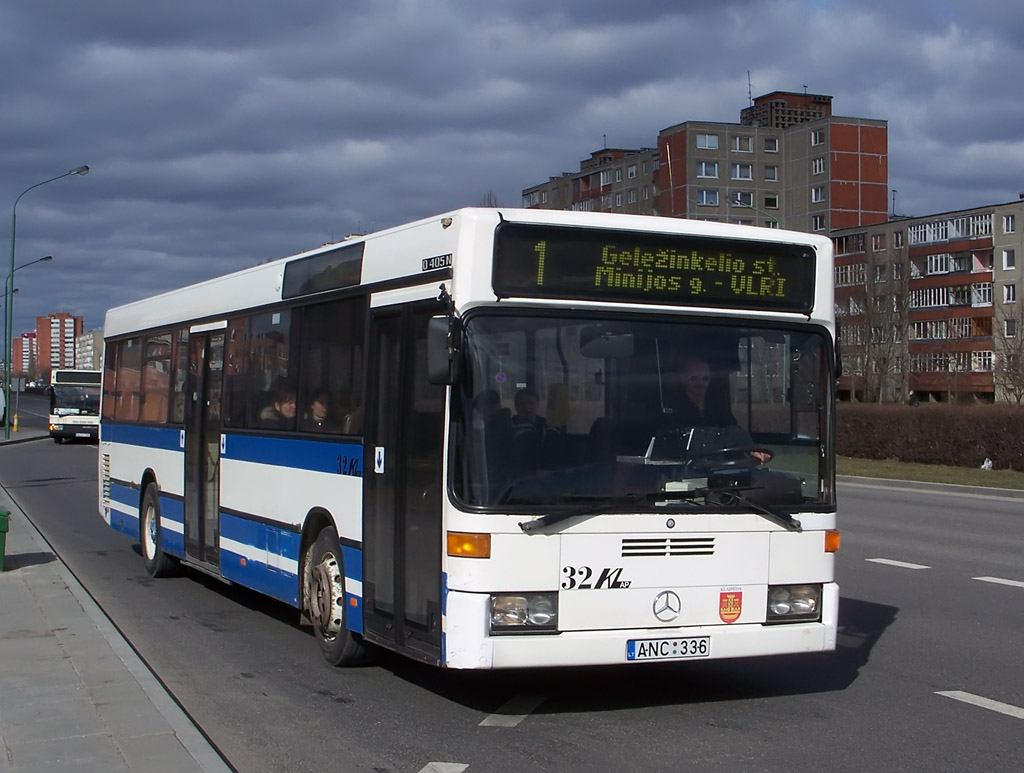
<point x="281" y="413"/>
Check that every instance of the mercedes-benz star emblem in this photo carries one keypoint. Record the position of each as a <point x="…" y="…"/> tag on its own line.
<point x="667" y="606"/>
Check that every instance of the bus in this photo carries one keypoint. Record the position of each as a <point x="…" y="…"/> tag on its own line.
<point x="356" y="431"/>
<point x="74" y="404"/>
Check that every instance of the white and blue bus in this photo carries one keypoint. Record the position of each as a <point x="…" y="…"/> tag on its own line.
<point x="497" y="438"/>
<point x="74" y="404"/>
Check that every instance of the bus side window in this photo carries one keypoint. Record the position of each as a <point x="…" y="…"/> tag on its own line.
<point x="332" y="360"/>
<point x="180" y="375"/>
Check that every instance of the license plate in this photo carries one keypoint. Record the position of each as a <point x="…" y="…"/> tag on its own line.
<point x="82" y="434"/>
<point x="668" y="649"/>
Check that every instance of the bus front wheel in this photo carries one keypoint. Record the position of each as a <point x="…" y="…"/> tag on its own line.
<point x="326" y="604"/>
<point x="158" y="563"/>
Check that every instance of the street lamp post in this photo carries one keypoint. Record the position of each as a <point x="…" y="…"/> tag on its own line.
<point x="738" y="202"/>
<point x="9" y="292"/>
<point x="79" y="171"/>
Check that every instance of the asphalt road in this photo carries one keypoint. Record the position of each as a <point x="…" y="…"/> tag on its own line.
<point x="928" y="675"/>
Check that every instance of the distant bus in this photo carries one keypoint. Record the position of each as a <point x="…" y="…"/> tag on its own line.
<point x="75" y="404"/>
<point x="356" y="431"/>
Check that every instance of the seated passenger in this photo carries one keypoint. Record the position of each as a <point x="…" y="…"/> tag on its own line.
<point x="281" y="413"/>
<point x="319" y="417"/>
<point x="498" y="443"/>
<point x="537" y="445"/>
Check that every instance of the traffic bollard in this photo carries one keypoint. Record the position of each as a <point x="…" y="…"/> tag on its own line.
<point x="4" y="525"/>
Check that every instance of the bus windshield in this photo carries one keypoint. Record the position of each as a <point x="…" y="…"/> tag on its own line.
<point x="75" y="400"/>
<point x="571" y="410"/>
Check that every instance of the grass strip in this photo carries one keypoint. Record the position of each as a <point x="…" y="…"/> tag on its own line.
<point x="929" y="473"/>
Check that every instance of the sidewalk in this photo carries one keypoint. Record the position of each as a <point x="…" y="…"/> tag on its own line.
<point x="73" y="694"/>
<point x="23" y="434"/>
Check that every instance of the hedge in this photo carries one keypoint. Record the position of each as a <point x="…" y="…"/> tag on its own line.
<point x="933" y="433"/>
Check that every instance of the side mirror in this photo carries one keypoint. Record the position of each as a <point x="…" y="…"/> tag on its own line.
<point x="444" y="343"/>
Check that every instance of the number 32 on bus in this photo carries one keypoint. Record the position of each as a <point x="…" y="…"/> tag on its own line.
<point x="497" y="438"/>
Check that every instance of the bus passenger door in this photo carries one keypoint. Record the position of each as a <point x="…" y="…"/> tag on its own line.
<point x="202" y="447"/>
<point x="404" y="438"/>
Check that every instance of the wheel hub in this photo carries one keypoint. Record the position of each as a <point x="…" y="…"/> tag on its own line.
<point x="327" y="604"/>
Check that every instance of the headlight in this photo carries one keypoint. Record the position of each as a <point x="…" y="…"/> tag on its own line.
<point x="524" y="612"/>
<point x="796" y="603"/>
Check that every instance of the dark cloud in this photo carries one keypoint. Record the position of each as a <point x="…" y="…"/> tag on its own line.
<point x="224" y="134"/>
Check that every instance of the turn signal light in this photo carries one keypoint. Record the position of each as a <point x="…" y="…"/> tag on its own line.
<point x="469" y="544"/>
<point x="831" y="541"/>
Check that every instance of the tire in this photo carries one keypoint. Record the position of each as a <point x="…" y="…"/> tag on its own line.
<point x="158" y="563"/>
<point x="325" y="603"/>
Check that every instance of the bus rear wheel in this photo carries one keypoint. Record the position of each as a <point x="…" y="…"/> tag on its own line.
<point x="158" y="563"/>
<point x="326" y="603"/>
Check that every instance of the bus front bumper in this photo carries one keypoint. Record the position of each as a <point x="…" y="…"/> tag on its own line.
<point x="463" y="650"/>
<point x="75" y="431"/>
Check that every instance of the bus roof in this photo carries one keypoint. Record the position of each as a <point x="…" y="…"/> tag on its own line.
<point x="402" y="252"/>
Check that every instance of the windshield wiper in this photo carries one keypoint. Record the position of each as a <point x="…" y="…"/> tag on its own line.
<point x="787" y="522"/>
<point x="609" y="505"/>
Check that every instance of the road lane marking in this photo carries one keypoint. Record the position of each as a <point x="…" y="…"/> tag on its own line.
<point x="1001" y="581"/>
<point x="900" y="564"/>
<point x="985" y="703"/>
<point x="443" y="767"/>
<point x="514" y="711"/>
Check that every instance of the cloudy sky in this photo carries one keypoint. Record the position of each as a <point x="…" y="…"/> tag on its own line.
<point x="221" y="134"/>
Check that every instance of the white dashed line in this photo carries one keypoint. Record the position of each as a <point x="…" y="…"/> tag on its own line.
<point x="986" y="703"/>
<point x="1001" y="581"/>
<point x="443" y="767"/>
<point x="900" y="564"/>
<point x="514" y="712"/>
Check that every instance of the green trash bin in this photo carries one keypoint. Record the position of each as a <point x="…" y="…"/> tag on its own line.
<point x="4" y="522"/>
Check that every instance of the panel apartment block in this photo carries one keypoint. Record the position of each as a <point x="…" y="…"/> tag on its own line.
<point x="788" y="163"/>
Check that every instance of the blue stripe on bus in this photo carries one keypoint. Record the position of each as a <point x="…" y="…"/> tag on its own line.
<point x="128" y="498"/>
<point x="353" y="560"/>
<point x="250" y="570"/>
<point x="164" y="438"/>
<point x="339" y="458"/>
<point x="172" y="542"/>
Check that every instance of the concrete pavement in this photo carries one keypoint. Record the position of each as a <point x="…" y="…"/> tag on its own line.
<point x="74" y="695"/>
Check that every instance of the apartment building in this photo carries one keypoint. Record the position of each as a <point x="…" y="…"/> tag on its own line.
<point x="89" y="350"/>
<point x="24" y="354"/>
<point x="788" y="163"/>
<point x="929" y="304"/>
<point x="55" y="335"/>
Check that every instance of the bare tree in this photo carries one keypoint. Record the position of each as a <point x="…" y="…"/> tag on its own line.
<point x="490" y="199"/>
<point x="1008" y="337"/>
<point x="884" y="305"/>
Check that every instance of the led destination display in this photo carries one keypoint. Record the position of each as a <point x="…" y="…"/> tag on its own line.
<point x="557" y="262"/>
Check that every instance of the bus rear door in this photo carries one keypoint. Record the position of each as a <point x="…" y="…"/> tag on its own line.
<point x="202" y="447"/>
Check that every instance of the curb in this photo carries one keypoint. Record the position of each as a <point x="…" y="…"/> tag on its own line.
<point x="16" y="441"/>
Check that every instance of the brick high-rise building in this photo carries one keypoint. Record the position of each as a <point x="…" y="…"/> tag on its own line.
<point x="788" y="163"/>
<point x="55" y="337"/>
